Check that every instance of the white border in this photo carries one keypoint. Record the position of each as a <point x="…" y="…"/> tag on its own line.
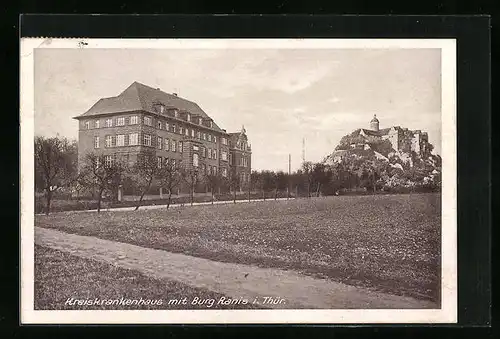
<point x="448" y="311"/>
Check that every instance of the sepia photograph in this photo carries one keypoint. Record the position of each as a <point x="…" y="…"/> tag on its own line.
<point x="238" y="181"/>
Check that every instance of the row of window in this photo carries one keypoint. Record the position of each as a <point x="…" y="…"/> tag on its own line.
<point x="243" y="162"/>
<point x="206" y="169"/>
<point x="120" y="121"/>
<point x="166" y="161"/>
<point x="134" y="120"/>
<point x="132" y="139"/>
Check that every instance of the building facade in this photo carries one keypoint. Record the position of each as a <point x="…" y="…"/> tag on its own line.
<point x="143" y="120"/>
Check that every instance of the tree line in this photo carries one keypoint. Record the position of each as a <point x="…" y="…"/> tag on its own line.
<point x="56" y="167"/>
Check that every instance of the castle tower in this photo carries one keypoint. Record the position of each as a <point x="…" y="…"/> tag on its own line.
<point x="374" y="123"/>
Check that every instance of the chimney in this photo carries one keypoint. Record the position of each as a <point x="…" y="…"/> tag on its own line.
<point x="175" y="94"/>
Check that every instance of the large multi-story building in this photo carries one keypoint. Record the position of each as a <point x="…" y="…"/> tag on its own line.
<point x="145" y="120"/>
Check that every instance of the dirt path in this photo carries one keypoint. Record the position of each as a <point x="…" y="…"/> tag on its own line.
<point x="233" y="280"/>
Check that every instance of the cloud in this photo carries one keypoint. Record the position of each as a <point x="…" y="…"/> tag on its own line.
<point x="281" y="96"/>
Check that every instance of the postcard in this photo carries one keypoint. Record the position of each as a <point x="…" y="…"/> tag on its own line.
<point x="218" y="181"/>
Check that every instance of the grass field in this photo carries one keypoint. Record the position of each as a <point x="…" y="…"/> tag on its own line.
<point x="389" y="243"/>
<point x="59" y="276"/>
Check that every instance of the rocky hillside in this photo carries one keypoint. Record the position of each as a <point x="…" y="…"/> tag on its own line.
<point x="384" y="167"/>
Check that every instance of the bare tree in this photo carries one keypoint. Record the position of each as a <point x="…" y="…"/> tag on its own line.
<point x="55" y="165"/>
<point x="307" y="170"/>
<point x="267" y="182"/>
<point x="280" y="182"/>
<point x="213" y="181"/>
<point x="144" y="173"/>
<point x="169" y="177"/>
<point x="234" y="182"/>
<point x="102" y="174"/>
<point x="191" y="176"/>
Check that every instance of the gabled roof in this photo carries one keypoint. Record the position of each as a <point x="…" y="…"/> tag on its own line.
<point x="139" y="97"/>
<point x="378" y="133"/>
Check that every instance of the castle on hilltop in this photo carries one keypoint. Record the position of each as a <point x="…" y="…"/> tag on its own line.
<point x="384" y="141"/>
<point x="396" y="135"/>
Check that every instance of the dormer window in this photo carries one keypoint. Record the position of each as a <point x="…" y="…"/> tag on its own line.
<point x="176" y="113"/>
<point x="159" y="107"/>
<point x="200" y="121"/>
<point x="188" y="117"/>
<point x="211" y="124"/>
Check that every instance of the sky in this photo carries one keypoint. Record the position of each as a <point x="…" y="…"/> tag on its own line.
<point x="281" y="96"/>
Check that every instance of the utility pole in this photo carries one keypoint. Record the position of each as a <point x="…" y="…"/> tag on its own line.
<point x="303" y="150"/>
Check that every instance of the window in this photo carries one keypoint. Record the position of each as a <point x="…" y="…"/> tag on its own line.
<point x="167" y="144"/>
<point x="204" y="168"/>
<point x="211" y="124"/>
<point x="209" y="153"/>
<point x="181" y="130"/>
<point x="209" y="137"/>
<point x="215" y="139"/>
<point x="120" y="121"/>
<point x="204" y="136"/>
<point x="200" y="121"/>
<point x="120" y="140"/>
<point x="159" y="162"/>
<point x="109" y="122"/>
<point x="187" y="132"/>
<point x="96" y="124"/>
<point x="167" y="126"/>
<point x="148" y="121"/>
<point x="180" y="146"/>
<point x="87" y="124"/>
<point x="192" y="133"/>
<point x="133" y="139"/>
<point x="176" y="113"/>
<point x="109" y="141"/>
<point x="174" y="146"/>
<point x="204" y="152"/>
<point x="195" y="159"/>
<point x="108" y="160"/>
<point x="195" y="148"/>
<point x="96" y="142"/>
<point x="174" y="128"/>
<point x="174" y="163"/>
<point x="188" y="117"/>
<point x="214" y="170"/>
<point x="165" y="162"/>
<point x="224" y="172"/>
<point x="215" y="154"/>
<point x="224" y="141"/>
<point x="224" y="155"/>
<point x="134" y="120"/>
<point x="162" y="109"/>
<point x="198" y="135"/>
<point x="147" y="140"/>
<point x="159" y="142"/>
<point x="158" y="125"/>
